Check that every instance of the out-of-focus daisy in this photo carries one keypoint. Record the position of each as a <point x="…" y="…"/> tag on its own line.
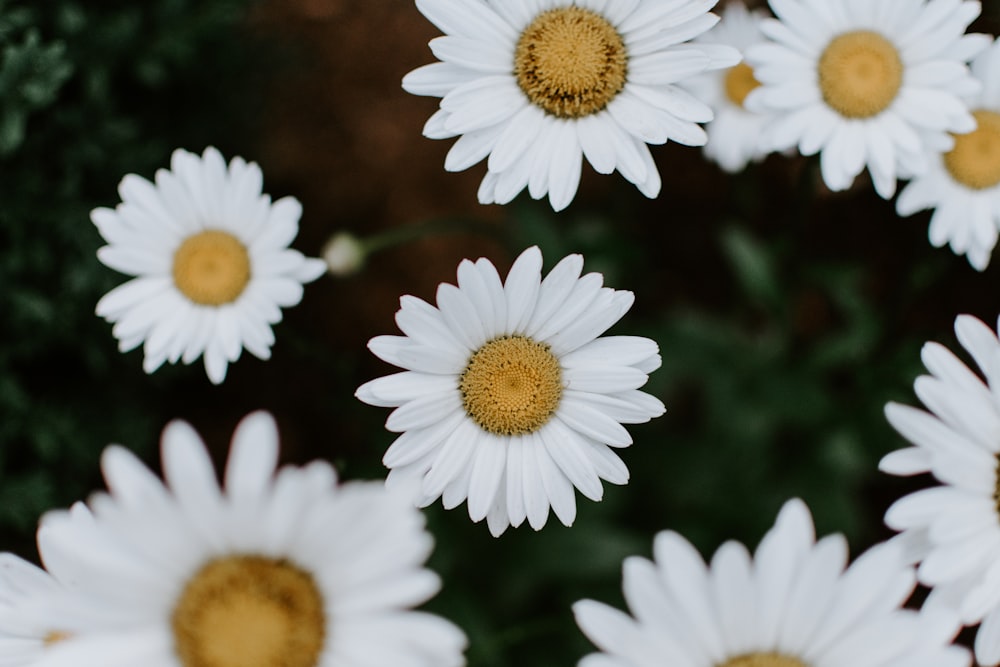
<point x="866" y="84"/>
<point x="954" y="529"/>
<point x="735" y="134"/>
<point x="34" y="613"/>
<point x="39" y="611"/>
<point x="536" y="86"/>
<point x="280" y="568"/>
<point x="510" y="398"/>
<point x="792" y="604"/>
<point x="963" y="185"/>
<point x="211" y="259"/>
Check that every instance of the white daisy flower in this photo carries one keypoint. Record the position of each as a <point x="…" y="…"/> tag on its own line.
<point x="510" y="398"/>
<point x="278" y="568"/>
<point x="866" y="84"/>
<point x="39" y="611"/>
<point x="211" y="259"/>
<point x="954" y="529"/>
<point x="963" y="185"/>
<point x="735" y="134"/>
<point x="34" y="612"/>
<point x="792" y="604"/>
<point x="536" y="85"/>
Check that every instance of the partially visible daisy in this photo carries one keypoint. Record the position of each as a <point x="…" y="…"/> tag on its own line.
<point x="792" y="604"/>
<point x="39" y="611"/>
<point x="34" y="612"/>
<point x="510" y="397"/>
<point x="963" y="185"/>
<point x="536" y="86"/>
<point x="211" y="259"/>
<point x="279" y="567"/>
<point x="866" y="84"/>
<point x="954" y="529"/>
<point x="735" y="135"/>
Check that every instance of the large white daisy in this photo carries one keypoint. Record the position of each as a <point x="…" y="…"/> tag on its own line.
<point x="535" y="85"/>
<point x="211" y="259"/>
<point x="278" y="568"/>
<point x="735" y="135"/>
<point x="792" y="604"/>
<point x="510" y="398"/>
<point x="954" y="529"/>
<point x="963" y="185"/>
<point x="873" y="84"/>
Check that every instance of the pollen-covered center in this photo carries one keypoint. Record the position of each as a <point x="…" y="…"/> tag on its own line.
<point x="975" y="159"/>
<point x="570" y="62"/>
<point x="763" y="660"/>
<point x="54" y="637"/>
<point x="860" y="74"/>
<point x="511" y="385"/>
<point x="249" y="611"/>
<point x="211" y="268"/>
<point x="739" y="82"/>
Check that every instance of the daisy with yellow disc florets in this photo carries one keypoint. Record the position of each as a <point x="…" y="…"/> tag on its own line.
<point x="511" y="397"/>
<point x="535" y="86"/>
<point x="794" y="603"/>
<point x="735" y="135"/>
<point x="280" y="567"/>
<point x="875" y="84"/>
<point x="963" y="185"/>
<point x="38" y="612"/>
<point x="211" y="262"/>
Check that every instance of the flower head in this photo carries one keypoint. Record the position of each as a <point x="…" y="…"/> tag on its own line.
<point x="510" y="397"/>
<point x="735" y="134"/>
<point x="279" y="567"/>
<point x="211" y="259"/>
<point x="963" y="184"/>
<point x="954" y="528"/>
<point x="36" y="612"/>
<point x="792" y="604"/>
<point x="536" y="86"/>
<point x="866" y="84"/>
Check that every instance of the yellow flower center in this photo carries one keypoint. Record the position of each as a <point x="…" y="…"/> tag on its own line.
<point x="739" y="82"/>
<point x="860" y="74"/>
<point x="763" y="660"/>
<point x="975" y="159"/>
<point x="511" y="385"/>
<point x="249" y="611"/>
<point x="211" y="268"/>
<point x="54" y="637"/>
<point x="570" y="62"/>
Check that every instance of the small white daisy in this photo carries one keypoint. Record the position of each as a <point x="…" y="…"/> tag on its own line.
<point x="281" y="567"/>
<point x="963" y="185"/>
<point x="735" y="134"/>
<point x="39" y="611"/>
<point x="34" y="612"/>
<point x="792" y="604"/>
<point x="510" y="398"/>
<point x="954" y="529"/>
<point x="866" y="84"/>
<point x="536" y="85"/>
<point x="211" y="259"/>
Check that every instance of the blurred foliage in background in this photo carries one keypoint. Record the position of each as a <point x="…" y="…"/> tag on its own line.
<point x="786" y="316"/>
